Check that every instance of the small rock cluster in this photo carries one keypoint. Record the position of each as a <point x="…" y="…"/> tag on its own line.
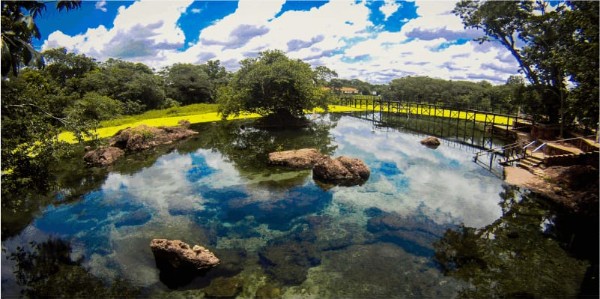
<point x="136" y="139"/>
<point x="344" y="171"/>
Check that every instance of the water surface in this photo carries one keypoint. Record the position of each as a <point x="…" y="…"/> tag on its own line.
<point x="278" y="232"/>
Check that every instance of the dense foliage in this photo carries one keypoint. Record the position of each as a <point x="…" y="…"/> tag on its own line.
<point x="270" y="84"/>
<point x="18" y="28"/>
<point x="461" y="94"/>
<point x="74" y="92"/>
<point x="553" y="45"/>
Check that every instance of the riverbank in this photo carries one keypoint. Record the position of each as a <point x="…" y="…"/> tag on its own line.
<point x="574" y="187"/>
<point x="158" y="118"/>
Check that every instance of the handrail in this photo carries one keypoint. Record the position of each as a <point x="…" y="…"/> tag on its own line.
<point x="539" y="147"/>
<point x="497" y="149"/>
<point x="530" y="144"/>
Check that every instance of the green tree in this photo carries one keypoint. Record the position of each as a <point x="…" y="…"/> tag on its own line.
<point x="33" y="113"/>
<point x="18" y="28"/>
<point x="188" y="83"/>
<point x="271" y="84"/>
<point x="324" y="75"/>
<point x="217" y="75"/>
<point x="550" y="46"/>
<point x="63" y="66"/>
<point x="134" y="84"/>
<point x="94" y="106"/>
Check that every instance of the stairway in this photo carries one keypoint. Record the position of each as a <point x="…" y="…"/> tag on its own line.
<point x="531" y="163"/>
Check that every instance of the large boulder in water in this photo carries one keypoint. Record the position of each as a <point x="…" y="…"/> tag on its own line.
<point x="304" y="158"/>
<point x="431" y="142"/>
<point x="179" y="263"/>
<point x="178" y="255"/>
<point x="144" y="137"/>
<point x="103" y="156"/>
<point x="342" y="170"/>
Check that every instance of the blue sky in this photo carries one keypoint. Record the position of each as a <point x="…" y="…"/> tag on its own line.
<point x="374" y="41"/>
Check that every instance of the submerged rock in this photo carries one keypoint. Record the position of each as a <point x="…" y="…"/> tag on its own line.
<point x="413" y="233"/>
<point x="431" y="142"/>
<point x="288" y="262"/>
<point x="222" y="287"/>
<point x="268" y="291"/>
<point x="103" y="156"/>
<point x="342" y="170"/>
<point x="304" y="158"/>
<point x="179" y="255"/>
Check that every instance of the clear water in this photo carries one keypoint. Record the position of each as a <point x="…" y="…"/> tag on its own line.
<point x="277" y="232"/>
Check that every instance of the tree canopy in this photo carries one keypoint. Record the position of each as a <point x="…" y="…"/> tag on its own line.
<point x="460" y="94"/>
<point x="552" y="44"/>
<point x="269" y="84"/>
<point x="18" y="28"/>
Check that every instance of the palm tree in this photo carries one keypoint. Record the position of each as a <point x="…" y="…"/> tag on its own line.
<point x="18" y="28"/>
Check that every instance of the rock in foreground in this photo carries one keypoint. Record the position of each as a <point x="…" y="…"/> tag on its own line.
<point x="178" y="255"/>
<point x="103" y="156"/>
<point x="304" y="158"/>
<point x="342" y="170"/>
<point x="431" y="142"/>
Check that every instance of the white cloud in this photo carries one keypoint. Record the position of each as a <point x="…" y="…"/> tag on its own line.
<point x="338" y="34"/>
<point x="101" y="5"/>
<point x="196" y="10"/>
<point x="389" y="8"/>
<point x="144" y="31"/>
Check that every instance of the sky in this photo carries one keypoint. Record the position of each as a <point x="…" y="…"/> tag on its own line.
<point x="374" y="41"/>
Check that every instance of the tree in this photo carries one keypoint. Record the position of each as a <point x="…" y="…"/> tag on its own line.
<point x="95" y="107"/>
<point x="187" y="83"/>
<point x="271" y="84"/>
<point x="324" y="75"/>
<point x="63" y="66"/>
<point x="18" y="28"/>
<point x="217" y="75"/>
<point x="545" y="41"/>
<point x="134" y="84"/>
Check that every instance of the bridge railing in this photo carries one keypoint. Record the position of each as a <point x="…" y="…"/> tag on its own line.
<point x="493" y="121"/>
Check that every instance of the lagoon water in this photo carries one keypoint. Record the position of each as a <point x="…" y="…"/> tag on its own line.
<point x="277" y="232"/>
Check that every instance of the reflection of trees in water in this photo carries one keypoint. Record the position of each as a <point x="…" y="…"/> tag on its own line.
<point x="47" y="270"/>
<point x="68" y="180"/>
<point x="238" y="141"/>
<point x="514" y="256"/>
<point x="247" y="147"/>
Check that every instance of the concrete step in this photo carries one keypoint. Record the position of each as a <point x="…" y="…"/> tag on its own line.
<point x="538" y="172"/>
<point x="524" y="166"/>
<point x="532" y="162"/>
<point x="534" y="158"/>
<point x="529" y="163"/>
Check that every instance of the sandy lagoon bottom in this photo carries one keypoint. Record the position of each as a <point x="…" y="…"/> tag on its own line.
<point x="428" y="223"/>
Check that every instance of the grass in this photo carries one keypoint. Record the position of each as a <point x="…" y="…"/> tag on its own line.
<point x="201" y="113"/>
<point x="196" y="113"/>
<point x="163" y="113"/>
